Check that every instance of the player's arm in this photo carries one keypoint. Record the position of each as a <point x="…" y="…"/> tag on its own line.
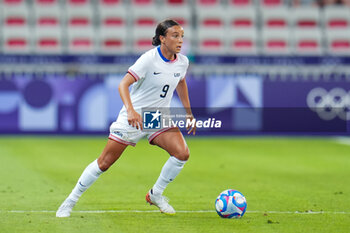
<point x="182" y="92"/>
<point x="134" y="118"/>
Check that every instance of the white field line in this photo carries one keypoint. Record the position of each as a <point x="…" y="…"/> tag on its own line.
<point x="343" y="140"/>
<point x="179" y="211"/>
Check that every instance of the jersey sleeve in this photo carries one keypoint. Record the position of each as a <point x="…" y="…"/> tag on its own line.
<point x="186" y="67"/>
<point x="139" y="69"/>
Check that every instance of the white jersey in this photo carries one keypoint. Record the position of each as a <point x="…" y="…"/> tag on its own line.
<point x="156" y="79"/>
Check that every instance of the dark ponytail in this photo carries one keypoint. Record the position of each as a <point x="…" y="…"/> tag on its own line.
<point x="161" y="30"/>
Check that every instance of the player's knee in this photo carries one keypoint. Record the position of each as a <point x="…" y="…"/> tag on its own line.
<point x="183" y="154"/>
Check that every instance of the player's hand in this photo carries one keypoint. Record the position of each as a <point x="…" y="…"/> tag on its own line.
<point x="135" y="119"/>
<point x="191" y="128"/>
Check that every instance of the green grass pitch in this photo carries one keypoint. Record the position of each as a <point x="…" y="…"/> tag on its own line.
<point x="291" y="185"/>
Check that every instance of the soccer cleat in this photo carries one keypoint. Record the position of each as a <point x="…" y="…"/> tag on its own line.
<point x="161" y="202"/>
<point x="65" y="209"/>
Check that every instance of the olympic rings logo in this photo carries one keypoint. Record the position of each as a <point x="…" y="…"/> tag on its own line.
<point x="329" y="104"/>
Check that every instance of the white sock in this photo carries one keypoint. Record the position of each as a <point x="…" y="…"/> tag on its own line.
<point x="87" y="178"/>
<point x="170" y="170"/>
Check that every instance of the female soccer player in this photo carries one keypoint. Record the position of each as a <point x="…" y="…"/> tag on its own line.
<point x="154" y="77"/>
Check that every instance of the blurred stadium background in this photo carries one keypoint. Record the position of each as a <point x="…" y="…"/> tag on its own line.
<point x="266" y="67"/>
<point x="259" y="66"/>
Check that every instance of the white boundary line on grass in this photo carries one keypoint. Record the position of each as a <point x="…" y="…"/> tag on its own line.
<point x="343" y="140"/>
<point x="179" y="211"/>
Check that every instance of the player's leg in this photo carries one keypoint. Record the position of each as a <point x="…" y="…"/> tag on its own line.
<point x="174" y="143"/>
<point x="110" y="154"/>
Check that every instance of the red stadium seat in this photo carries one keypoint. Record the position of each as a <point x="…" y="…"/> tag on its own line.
<point x="142" y="40"/>
<point x="276" y="41"/>
<point x="48" y="40"/>
<point x="338" y="42"/>
<point x="47" y="15"/>
<point x="176" y="3"/>
<point x="337" y="17"/>
<point x="305" y="17"/>
<point x="7" y="3"/>
<point x="276" y="17"/>
<point x="140" y="3"/>
<point x="15" y="21"/>
<point x="15" y="16"/>
<point x="110" y="2"/>
<point x="242" y="41"/>
<point x="271" y="3"/>
<point x="244" y="17"/>
<point x="112" y="41"/>
<point x="307" y="41"/>
<point x="241" y="3"/>
<point x="48" y="21"/>
<point x="79" y="13"/>
<point x="207" y="3"/>
<point x="145" y="17"/>
<point x="211" y="41"/>
<point x="113" y="14"/>
<point x="117" y="21"/>
<point x="81" y="40"/>
<point x="46" y="2"/>
<point x="16" y="40"/>
<point x="77" y="2"/>
<point x="213" y="17"/>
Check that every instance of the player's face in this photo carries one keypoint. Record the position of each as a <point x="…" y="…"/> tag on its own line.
<point x="174" y="38"/>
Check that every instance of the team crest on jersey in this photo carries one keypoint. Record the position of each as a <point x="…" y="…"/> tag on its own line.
<point x="152" y="119"/>
<point x="176" y="75"/>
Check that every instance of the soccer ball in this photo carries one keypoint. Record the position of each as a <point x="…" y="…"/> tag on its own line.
<point x="230" y="204"/>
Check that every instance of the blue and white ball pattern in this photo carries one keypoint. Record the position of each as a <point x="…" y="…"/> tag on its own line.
<point x="230" y="204"/>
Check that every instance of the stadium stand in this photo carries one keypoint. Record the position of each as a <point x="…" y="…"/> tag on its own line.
<point x="123" y="26"/>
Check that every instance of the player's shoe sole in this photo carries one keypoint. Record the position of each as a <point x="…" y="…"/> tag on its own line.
<point x="148" y="200"/>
